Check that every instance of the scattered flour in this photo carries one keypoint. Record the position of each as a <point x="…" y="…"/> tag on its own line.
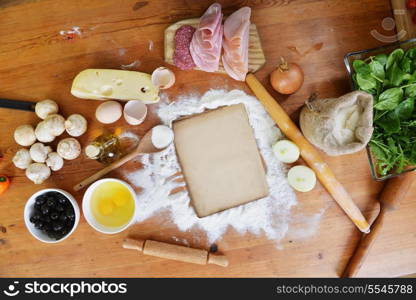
<point x="270" y="215"/>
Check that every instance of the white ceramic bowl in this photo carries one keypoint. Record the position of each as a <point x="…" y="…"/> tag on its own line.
<point x="39" y="234"/>
<point x="86" y="207"/>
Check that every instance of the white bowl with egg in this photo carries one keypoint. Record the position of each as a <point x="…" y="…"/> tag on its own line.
<point x="88" y="213"/>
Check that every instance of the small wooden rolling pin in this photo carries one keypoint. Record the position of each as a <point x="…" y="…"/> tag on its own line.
<point x="393" y="192"/>
<point x="175" y="252"/>
<point x="308" y="153"/>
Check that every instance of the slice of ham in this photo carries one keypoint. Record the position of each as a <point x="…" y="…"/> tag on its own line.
<point x="235" y="44"/>
<point x="207" y="40"/>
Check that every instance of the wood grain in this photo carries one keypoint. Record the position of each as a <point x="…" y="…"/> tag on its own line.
<point x="256" y="58"/>
<point x="36" y="62"/>
<point x="405" y="27"/>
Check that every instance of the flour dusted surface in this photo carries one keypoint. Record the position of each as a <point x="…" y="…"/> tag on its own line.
<point x="159" y="175"/>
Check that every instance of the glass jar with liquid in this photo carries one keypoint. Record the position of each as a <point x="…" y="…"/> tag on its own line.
<point x="106" y="149"/>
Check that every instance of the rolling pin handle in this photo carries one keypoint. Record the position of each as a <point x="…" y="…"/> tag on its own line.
<point x="133" y="244"/>
<point x="219" y="260"/>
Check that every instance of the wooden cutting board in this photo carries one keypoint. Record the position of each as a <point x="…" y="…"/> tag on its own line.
<point x="403" y="17"/>
<point x="256" y="57"/>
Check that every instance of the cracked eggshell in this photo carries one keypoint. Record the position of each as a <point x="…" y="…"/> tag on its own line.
<point x="54" y="161"/>
<point x="39" y="152"/>
<point x="135" y="112"/>
<point x="38" y="172"/>
<point x="43" y="134"/>
<point x="76" y="125"/>
<point x="22" y="159"/>
<point x="45" y="108"/>
<point x="24" y="135"/>
<point x="69" y="148"/>
<point x="163" y="78"/>
<point x="108" y="112"/>
<point x="55" y="124"/>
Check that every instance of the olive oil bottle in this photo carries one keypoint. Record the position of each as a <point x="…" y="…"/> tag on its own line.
<point x="106" y="149"/>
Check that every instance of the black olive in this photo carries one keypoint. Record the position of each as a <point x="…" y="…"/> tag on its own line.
<point x="57" y="226"/>
<point x="64" y="231"/>
<point x="59" y="208"/>
<point x="36" y="216"/>
<point x="51" y="202"/>
<point x="39" y="200"/>
<point x="37" y="207"/>
<point x="54" y="215"/>
<point x="70" y="213"/>
<point x="63" y="218"/>
<point x="46" y="219"/>
<point x="45" y="209"/>
<point x="39" y="224"/>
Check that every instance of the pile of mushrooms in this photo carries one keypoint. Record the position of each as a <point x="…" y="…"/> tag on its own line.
<point x="40" y="159"/>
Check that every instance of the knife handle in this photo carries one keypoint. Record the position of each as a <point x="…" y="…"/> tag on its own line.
<point x="17" y="104"/>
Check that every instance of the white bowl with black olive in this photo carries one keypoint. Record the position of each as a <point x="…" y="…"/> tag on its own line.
<point x="51" y="215"/>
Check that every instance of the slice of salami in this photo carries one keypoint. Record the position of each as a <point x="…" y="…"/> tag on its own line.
<point x="182" y="57"/>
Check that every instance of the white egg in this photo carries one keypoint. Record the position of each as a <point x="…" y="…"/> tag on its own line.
<point x="135" y="112"/>
<point x="163" y="78"/>
<point x="108" y="112"/>
<point x="162" y="136"/>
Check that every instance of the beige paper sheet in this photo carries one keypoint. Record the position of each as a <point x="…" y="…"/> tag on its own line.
<point x="220" y="160"/>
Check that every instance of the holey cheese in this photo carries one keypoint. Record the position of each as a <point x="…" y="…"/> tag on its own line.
<point x="102" y="84"/>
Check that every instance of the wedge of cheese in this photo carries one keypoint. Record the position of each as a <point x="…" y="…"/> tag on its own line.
<point x="102" y="84"/>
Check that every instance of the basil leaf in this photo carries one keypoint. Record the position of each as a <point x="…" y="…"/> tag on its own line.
<point x="395" y="75"/>
<point x="390" y="123"/>
<point x="381" y="58"/>
<point x="361" y="67"/>
<point x="389" y="99"/>
<point x="410" y="91"/>
<point x="394" y="56"/>
<point x="411" y="53"/>
<point x="405" y="109"/>
<point x="406" y="65"/>
<point x="366" y="82"/>
<point x="377" y="69"/>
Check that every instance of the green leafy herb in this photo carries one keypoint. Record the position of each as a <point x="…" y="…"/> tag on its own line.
<point x="391" y="79"/>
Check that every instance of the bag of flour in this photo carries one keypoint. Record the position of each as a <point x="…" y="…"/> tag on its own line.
<point x="339" y="125"/>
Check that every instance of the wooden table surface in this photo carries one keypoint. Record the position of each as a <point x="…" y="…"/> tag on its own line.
<point x="37" y="62"/>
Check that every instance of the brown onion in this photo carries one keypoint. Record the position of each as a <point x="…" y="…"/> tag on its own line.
<point x="287" y="78"/>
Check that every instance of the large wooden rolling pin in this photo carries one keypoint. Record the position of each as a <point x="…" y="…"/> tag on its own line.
<point x="175" y="252"/>
<point x="308" y="153"/>
<point x="393" y="192"/>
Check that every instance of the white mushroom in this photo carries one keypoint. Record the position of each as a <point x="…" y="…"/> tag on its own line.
<point x="43" y="133"/>
<point x="76" y="125"/>
<point x="69" y="148"/>
<point x="38" y="172"/>
<point x="24" y="135"/>
<point x="54" y="161"/>
<point x="22" y="159"/>
<point x="45" y="108"/>
<point x="55" y="124"/>
<point x="39" y="152"/>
